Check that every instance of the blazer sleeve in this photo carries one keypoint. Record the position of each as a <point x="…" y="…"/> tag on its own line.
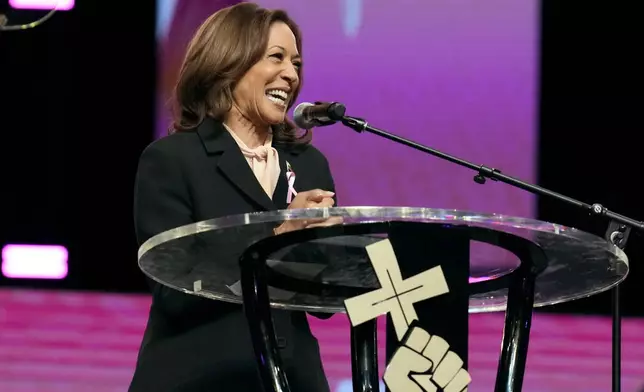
<point x="161" y="196"/>
<point x="162" y="202"/>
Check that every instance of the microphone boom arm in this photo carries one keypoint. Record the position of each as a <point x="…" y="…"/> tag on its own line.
<point x="484" y="172"/>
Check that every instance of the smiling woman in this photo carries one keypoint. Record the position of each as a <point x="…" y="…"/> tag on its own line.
<point x="229" y="151"/>
<point x="243" y="67"/>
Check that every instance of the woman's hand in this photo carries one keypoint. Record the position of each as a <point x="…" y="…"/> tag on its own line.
<point x="316" y="198"/>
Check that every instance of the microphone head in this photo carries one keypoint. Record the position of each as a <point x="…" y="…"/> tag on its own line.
<point x="300" y="118"/>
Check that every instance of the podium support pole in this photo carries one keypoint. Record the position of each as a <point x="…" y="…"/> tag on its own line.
<point x="617" y="234"/>
<point x="516" y="332"/>
<point x="364" y="353"/>
<point x="258" y="312"/>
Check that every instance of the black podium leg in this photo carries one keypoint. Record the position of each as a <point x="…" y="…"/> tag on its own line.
<point x="260" y="323"/>
<point x="516" y="332"/>
<point x="364" y="357"/>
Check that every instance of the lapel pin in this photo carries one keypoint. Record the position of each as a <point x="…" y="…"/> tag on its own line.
<point x="290" y="178"/>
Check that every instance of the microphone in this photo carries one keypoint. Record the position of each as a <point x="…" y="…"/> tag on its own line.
<point x="309" y="115"/>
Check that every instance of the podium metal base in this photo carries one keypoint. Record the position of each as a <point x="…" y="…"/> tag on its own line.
<point x="364" y="357"/>
<point x="520" y="283"/>
<point x="516" y="332"/>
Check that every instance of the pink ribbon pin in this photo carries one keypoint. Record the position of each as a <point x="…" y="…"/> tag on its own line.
<point x="290" y="178"/>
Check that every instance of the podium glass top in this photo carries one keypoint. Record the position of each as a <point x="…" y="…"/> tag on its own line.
<point x="203" y="258"/>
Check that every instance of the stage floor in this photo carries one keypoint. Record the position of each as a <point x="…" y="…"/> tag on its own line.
<point x="78" y="342"/>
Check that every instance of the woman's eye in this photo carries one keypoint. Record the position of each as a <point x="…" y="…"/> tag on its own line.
<point x="297" y="65"/>
<point x="278" y="56"/>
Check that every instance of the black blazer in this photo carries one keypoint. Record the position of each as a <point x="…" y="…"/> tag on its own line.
<point x="196" y="344"/>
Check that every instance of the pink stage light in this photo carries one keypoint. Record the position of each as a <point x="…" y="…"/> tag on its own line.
<point x="34" y="261"/>
<point x="60" y="5"/>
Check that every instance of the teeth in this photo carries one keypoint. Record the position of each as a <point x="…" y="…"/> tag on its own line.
<point x="277" y="96"/>
<point x="279" y="93"/>
<point x="276" y="100"/>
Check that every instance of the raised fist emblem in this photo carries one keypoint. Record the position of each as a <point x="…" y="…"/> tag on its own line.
<point x="424" y="363"/>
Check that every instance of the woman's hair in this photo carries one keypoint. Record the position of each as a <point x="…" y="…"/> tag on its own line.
<point x="222" y="50"/>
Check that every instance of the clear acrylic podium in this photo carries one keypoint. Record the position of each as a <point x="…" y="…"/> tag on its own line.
<point x="527" y="263"/>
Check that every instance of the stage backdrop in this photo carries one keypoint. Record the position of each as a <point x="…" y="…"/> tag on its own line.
<point x="459" y="76"/>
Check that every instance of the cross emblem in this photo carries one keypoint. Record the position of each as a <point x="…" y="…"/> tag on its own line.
<point x="396" y="295"/>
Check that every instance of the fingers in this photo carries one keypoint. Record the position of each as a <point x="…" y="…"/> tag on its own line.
<point x="299" y="224"/>
<point x="312" y="199"/>
<point x="324" y="202"/>
<point x="334" y="220"/>
<point x="317" y="195"/>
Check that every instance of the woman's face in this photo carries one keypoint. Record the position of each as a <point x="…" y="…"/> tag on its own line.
<point x="265" y="91"/>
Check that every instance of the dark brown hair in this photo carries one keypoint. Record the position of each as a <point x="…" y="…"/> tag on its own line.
<point x="222" y="50"/>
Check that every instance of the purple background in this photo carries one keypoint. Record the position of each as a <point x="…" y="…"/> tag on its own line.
<point x="459" y="76"/>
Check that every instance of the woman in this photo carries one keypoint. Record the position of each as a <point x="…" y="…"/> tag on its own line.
<point x="227" y="154"/>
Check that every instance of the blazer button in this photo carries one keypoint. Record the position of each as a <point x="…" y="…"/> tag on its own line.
<point x="281" y="343"/>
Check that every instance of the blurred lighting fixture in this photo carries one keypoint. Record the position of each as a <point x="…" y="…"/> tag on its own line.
<point x="34" y="261"/>
<point x="59" y="5"/>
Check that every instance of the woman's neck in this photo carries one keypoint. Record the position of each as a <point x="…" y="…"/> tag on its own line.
<point x="252" y="135"/>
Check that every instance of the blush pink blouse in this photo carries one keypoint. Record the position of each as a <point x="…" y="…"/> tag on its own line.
<point x="263" y="161"/>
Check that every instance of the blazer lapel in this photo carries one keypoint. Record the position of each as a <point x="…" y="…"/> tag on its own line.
<point x="281" y="190"/>
<point x="232" y="163"/>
